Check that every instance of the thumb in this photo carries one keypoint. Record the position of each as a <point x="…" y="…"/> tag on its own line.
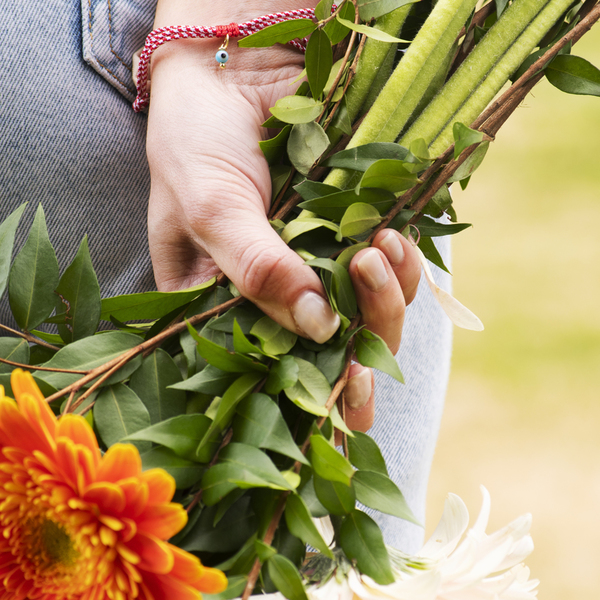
<point x="267" y="272"/>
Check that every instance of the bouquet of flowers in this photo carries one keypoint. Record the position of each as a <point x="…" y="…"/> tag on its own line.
<point x="191" y="447"/>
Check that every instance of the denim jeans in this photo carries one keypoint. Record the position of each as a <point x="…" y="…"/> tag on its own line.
<point x="70" y="140"/>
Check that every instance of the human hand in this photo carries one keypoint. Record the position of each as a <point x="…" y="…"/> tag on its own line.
<point x="211" y="191"/>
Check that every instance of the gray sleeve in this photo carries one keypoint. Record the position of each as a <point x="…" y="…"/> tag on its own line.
<point x="112" y="30"/>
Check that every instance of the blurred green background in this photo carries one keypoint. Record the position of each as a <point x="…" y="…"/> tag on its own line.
<point x="523" y="406"/>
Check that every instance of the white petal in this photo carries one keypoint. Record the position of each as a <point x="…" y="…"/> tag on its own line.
<point x="325" y="528"/>
<point x="446" y="536"/>
<point x="459" y="314"/>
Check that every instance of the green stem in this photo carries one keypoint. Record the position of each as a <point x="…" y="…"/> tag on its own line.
<point x="485" y="70"/>
<point x="410" y="80"/>
<point x="372" y="59"/>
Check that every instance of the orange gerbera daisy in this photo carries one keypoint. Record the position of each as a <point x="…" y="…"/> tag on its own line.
<point x="76" y="525"/>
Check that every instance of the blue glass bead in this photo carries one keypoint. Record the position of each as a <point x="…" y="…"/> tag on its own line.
<point x="222" y="56"/>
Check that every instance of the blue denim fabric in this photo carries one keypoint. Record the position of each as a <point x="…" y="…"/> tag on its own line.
<point x="69" y="139"/>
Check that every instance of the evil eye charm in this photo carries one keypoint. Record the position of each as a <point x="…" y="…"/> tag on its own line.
<point x="222" y="57"/>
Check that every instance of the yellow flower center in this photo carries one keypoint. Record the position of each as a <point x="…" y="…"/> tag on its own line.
<point x="50" y="545"/>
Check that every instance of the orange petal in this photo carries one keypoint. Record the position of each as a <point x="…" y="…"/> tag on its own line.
<point x="155" y="555"/>
<point x="17" y="431"/>
<point x="136" y="496"/>
<point x="186" y="567"/>
<point x="161" y="485"/>
<point x="78" y="429"/>
<point x="168" y="588"/>
<point x="120" y="462"/>
<point x="109" y="497"/>
<point x="212" y="581"/>
<point x="22" y="383"/>
<point x="163" y="520"/>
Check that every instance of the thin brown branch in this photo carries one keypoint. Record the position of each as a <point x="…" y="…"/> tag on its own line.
<point x="38" y="368"/>
<point x="572" y="36"/>
<point x="30" y="338"/>
<point x="152" y="343"/>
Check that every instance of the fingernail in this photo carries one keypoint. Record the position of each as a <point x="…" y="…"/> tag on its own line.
<point x="372" y="271"/>
<point x="314" y="316"/>
<point x="358" y="390"/>
<point x="392" y="248"/>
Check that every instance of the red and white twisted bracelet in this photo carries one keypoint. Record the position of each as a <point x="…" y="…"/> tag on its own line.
<point x="160" y="36"/>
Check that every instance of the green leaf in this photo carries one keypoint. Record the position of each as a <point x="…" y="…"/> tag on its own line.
<point x="364" y="453"/>
<point x="274" y="338"/>
<point x="34" y="276"/>
<point x="362" y="541"/>
<point x="500" y="6"/>
<point x="471" y="163"/>
<point x="210" y="381"/>
<point x="337" y="498"/>
<point x="371" y="32"/>
<point x="311" y="391"/>
<point x="296" y="109"/>
<point x="327" y="462"/>
<point x="338" y="422"/>
<point x="315" y="189"/>
<point x="323" y="9"/>
<point x="280" y="33"/>
<point x="283" y="374"/>
<point x="358" y="218"/>
<point x="379" y="492"/>
<point x="79" y="297"/>
<point x="334" y="206"/>
<point x="574" y="75"/>
<point x="331" y="360"/>
<point x="279" y="176"/>
<point x="345" y="257"/>
<point x="8" y="229"/>
<point x="149" y="305"/>
<point x="15" y="350"/>
<point x="185" y="472"/>
<point x="235" y="588"/>
<point x="222" y="358"/>
<point x="236" y="392"/>
<point x="430" y="228"/>
<point x="238" y="524"/>
<point x="181" y="434"/>
<point x="242" y="344"/>
<point x="89" y="353"/>
<point x="342" y="288"/>
<point x="336" y="30"/>
<point x="299" y="522"/>
<point x="431" y="253"/>
<point x="464" y="137"/>
<point x="372" y="351"/>
<point x="241" y="466"/>
<point x="118" y="413"/>
<point x="274" y="147"/>
<point x="264" y="551"/>
<point x="389" y="175"/>
<point x="318" y="60"/>
<point x="151" y="383"/>
<point x="362" y="157"/>
<point x="259" y="423"/>
<point x="303" y="224"/>
<point x="285" y="576"/>
<point x="245" y="315"/>
<point x="371" y="9"/>
<point x="305" y="145"/>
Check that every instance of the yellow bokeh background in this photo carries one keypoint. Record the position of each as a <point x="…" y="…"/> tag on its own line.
<point x="523" y="407"/>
